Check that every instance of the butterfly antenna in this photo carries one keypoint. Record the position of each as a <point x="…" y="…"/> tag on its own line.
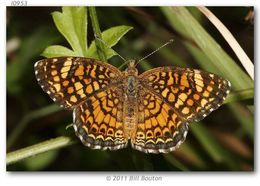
<point x="165" y="44"/>
<point x="110" y="47"/>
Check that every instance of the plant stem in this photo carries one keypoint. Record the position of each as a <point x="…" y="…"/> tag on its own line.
<point x="45" y="146"/>
<point x="27" y="118"/>
<point x="96" y="29"/>
<point x="240" y="95"/>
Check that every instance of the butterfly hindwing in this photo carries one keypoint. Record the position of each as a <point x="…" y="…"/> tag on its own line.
<point x="98" y="122"/>
<point x="159" y="128"/>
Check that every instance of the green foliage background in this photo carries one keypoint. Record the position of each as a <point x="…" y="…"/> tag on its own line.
<point x="222" y="141"/>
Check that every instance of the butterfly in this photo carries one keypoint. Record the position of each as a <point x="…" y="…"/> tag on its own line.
<point x="110" y="107"/>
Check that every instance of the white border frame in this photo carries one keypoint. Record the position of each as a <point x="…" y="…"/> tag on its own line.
<point x="88" y="178"/>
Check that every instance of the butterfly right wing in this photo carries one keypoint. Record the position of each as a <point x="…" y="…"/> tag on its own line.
<point x="70" y="80"/>
<point x="192" y="93"/>
<point x="172" y="98"/>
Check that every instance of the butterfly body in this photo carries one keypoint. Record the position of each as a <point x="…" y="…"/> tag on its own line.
<point x="130" y="110"/>
<point x="110" y="107"/>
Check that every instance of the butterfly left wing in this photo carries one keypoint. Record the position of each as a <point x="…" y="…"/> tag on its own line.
<point x="70" y="80"/>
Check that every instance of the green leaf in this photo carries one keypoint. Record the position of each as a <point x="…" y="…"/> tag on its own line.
<point x="182" y="21"/>
<point x="111" y="37"/>
<point x="57" y="51"/>
<point x="72" y="24"/>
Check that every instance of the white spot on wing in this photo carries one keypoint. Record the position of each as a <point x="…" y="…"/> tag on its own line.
<point x="88" y="144"/>
<point x="151" y="151"/>
<point x="80" y="137"/>
<point x="36" y="64"/>
<point x="185" y="134"/>
<point x="172" y="148"/>
<point x="75" y="128"/>
<point x="162" y="150"/>
<point x="178" y="144"/>
<point x="97" y="147"/>
<point x="74" y="115"/>
<point x="229" y="84"/>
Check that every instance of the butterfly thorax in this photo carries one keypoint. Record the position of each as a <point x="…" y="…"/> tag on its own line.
<point x="130" y="99"/>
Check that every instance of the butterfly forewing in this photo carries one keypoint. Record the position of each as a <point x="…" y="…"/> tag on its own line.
<point x="71" y="80"/>
<point x="192" y="93"/>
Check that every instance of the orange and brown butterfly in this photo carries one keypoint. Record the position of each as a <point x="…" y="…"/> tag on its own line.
<point x="110" y="107"/>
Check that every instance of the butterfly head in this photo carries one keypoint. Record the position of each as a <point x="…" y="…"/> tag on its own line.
<point x="131" y="70"/>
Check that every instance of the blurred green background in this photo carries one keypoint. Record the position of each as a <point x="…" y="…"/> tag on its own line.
<point x="223" y="141"/>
